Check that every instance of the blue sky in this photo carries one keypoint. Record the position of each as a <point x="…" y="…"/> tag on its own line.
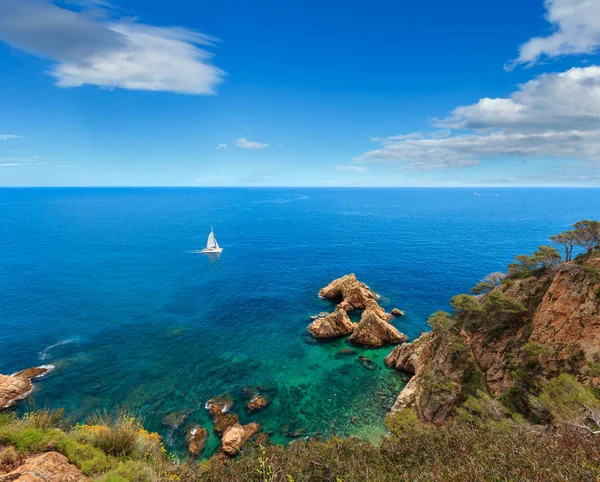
<point x="334" y="93"/>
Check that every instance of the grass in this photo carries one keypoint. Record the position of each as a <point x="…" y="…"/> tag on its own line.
<point x="484" y="442"/>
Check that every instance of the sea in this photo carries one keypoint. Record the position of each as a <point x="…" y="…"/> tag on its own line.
<point x="108" y="286"/>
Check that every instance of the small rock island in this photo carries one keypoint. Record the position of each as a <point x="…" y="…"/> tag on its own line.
<point x="373" y="329"/>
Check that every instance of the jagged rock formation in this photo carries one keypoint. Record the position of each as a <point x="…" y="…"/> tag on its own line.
<point x="236" y="436"/>
<point x="332" y="326"/>
<point x="353" y="294"/>
<point x="196" y="440"/>
<point x="258" y="402"/>
<point x="374" y="329"/>
<point x="219" y="407"/>
<point x="15" y="387"/>
<point x="532" y="326"/>
<point x="47" y="467"/>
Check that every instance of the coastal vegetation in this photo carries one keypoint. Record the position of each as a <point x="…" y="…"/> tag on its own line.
<point x="505" y="387"/>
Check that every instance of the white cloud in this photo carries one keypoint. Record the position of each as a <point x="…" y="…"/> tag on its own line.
<point x="566" y="100"/>
<point x="552" y="116"/>
<point x="244" y="143"/>
<point x="5" y="137"/>
<point x="221" y="146"/>
<point x="110" y="54"/>
<point x="576" y="26"/>
<point x="352" y="168"/>
<point x="62" y="166"/>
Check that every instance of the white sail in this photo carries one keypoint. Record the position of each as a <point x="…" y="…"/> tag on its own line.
<point x="211" y="243"/>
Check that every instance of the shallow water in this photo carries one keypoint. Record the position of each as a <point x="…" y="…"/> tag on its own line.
<point x="105" y="285"/>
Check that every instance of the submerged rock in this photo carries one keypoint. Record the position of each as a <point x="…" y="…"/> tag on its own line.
<point x="47" y="467"/>
<point x="332" y="326"/>
<point x="397" y="313"/>
<point x="374" y="330"/>
<point x="258" y="402"/>
<point x="16" y="387"/>
<point x="345" y="352"/>
<point x="174" y="420"/>
<point x="297" y="433"/>
<point x="353" y="293"/>
<point x="236" y="436"/>
<point x="196" y="439"/>
<point x="367" y="362"/>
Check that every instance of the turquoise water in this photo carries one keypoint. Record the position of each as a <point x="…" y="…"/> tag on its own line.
<point x="105" y="285"/>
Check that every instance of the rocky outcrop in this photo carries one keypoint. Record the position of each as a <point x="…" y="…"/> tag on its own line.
<point x="236" y="436"/>
<point x="432" y="391"/>
<point x="374" y="330"/>
<point x="332" y="326"/>
<point x="570" y="311"/>
<point x="556" y="330"/>
<point x="352" y="293"/>
<point x="397" y="313"/>
<point x="196" y="439"/>
<point x="47" y="467"/>
<point x="16" y="387"/>
<point x="219" y="407"/>
<point x="258" y="402"/>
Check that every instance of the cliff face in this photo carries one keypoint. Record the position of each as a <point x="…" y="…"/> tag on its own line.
<point x="526" y="328"/>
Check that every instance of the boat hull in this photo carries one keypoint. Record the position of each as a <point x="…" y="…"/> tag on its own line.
<point x="212" y="250"/>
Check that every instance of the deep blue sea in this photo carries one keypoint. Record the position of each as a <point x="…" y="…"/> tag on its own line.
<point x="106" y="285"/>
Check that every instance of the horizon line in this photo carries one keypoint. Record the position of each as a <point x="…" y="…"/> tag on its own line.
<point x="157" y="186"/>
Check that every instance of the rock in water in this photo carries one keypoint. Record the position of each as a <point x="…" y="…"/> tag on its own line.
<point x="218" y="408"/>
<point x="236" y="436"/>
<point x="258" y="402"/>
<point x="353" y="293"/>
<point x="16" y="387"/>
<point x="48" y="467"/>
<point x="332" y="326"/>
<point x="196" y="440"/>
<point x="375" y="331"/>
<point x="397" y="313"/>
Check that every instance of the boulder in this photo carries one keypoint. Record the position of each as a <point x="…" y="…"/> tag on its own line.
<point x="47" y="467"/>
<point x="222" y="421"/>
<point x="375" y="331"/>
<point x="332" y="326"/>
<point x="196" y="439"/>
<point x="236" y="436"/>
<point x="220" y="402"/>
<point x="353" y="294"/>
<point x="16" y="387"/>
<point x="258" y="402"/>
<point x="397" y="313"/>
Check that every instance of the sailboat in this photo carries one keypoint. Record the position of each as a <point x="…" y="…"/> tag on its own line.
<point x="211" y="244"/>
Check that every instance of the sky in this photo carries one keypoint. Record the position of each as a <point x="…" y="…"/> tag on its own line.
<point x="312" y="93"/>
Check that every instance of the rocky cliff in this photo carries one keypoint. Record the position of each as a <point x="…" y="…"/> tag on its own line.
<point x="17" y="386"/>
<point x="531" y="326"/>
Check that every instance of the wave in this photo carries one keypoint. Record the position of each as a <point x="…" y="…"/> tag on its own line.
<point x="45" y="353"/>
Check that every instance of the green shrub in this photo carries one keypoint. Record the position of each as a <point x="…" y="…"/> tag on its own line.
<point x="90" y="460"/>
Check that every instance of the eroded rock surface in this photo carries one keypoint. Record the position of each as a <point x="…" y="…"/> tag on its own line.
<point x="47" y="467"/>
<point x="332" y="326"/>
<point x="196" y="439"/>
<point x="558" y="331"/>
<point x="352" y="293"/>
<point x="15" y="387"/>
<point x="236" y="436"/>
<point x="374" y="330"/>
